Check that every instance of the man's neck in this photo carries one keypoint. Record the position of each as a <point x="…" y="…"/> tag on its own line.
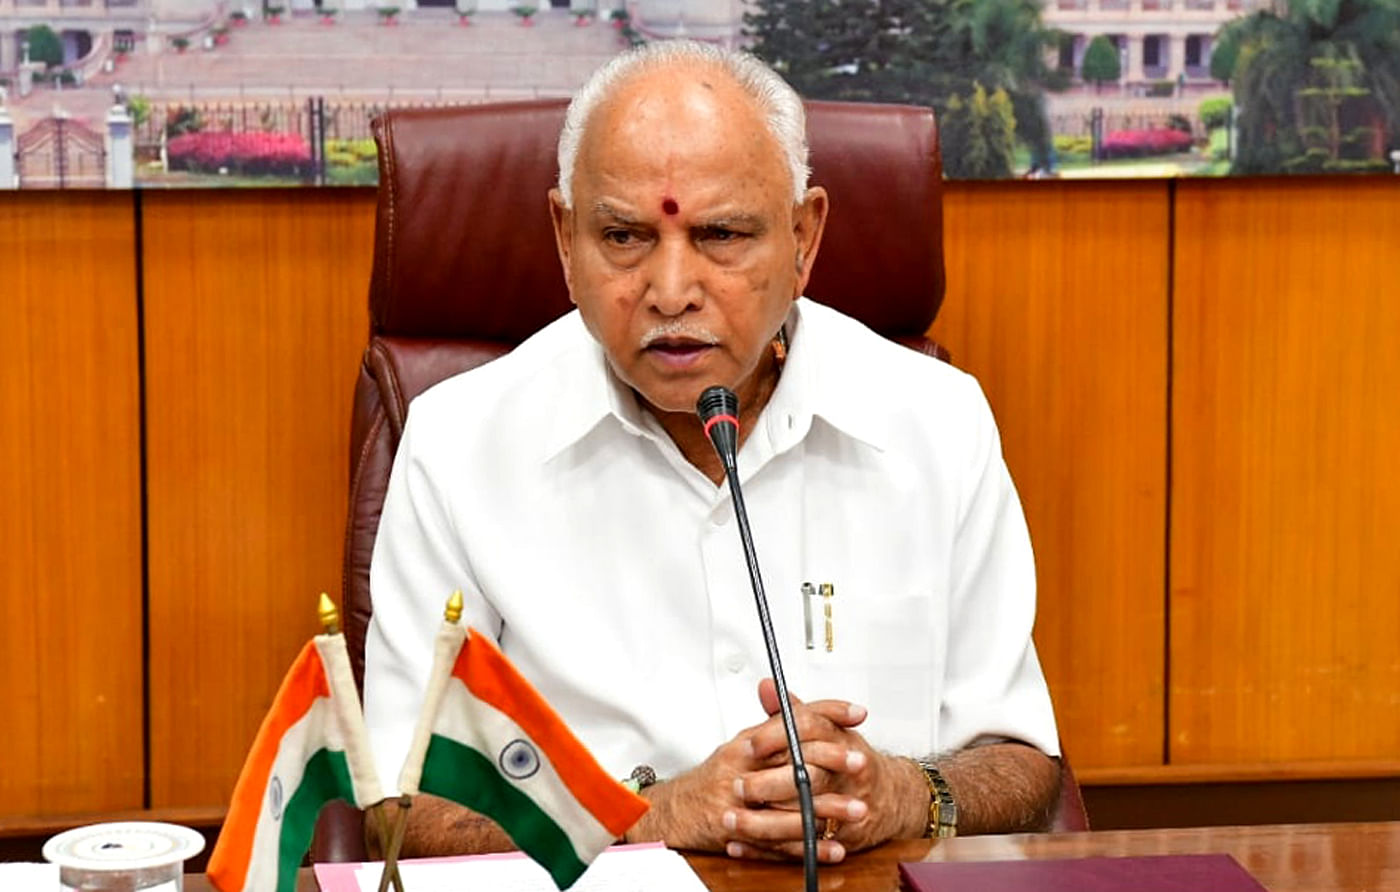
<point x="686" y="431"/>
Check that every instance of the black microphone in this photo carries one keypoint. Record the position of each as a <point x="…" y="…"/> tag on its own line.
<point x="718" y="409"/>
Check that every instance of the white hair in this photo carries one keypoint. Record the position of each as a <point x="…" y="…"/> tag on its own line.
<point x="778" y="103"/>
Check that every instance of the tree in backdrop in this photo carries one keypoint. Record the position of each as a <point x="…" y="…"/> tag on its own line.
<point x="1101" y="62"/>
<point x="922" y="52"/>
<point x="978" y="135"/>
<point x="139" y="107"/>
<point x="1225" y="51"/>
<point x="44" y="46"/>
<point x="1317" y="86"/>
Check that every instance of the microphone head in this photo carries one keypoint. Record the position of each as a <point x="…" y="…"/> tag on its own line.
<point x="717" y="401"/>
<point x="718" y="409"/>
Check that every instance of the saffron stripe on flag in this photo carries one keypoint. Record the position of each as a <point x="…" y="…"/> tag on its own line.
<point x="491" y="678"/>
<point x="296" y="761"/>
<point x="462" y="774"/>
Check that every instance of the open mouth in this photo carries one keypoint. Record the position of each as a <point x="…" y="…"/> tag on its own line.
<point x="679" y="352"/>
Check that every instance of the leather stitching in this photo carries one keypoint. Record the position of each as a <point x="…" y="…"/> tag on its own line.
<point x="387" y="376"/>
<point x="355" y="486"/>
<point x="388" y="180"/>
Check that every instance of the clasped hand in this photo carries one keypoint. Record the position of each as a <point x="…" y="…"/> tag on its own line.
<point x="743" y="798"/>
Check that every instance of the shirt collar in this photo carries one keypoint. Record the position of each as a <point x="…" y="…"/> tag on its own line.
<point x="821" y="379"/>
<point x="824" y="378"/>
<point x="589" y="394"/>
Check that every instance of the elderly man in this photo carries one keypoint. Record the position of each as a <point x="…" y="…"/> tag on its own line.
<point x="569" y="489"/>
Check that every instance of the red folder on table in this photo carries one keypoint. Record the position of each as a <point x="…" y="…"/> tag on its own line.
<point x="1151" y="873"/>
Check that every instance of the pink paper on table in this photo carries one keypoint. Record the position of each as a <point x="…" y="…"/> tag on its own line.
<point x="341" y="877"/>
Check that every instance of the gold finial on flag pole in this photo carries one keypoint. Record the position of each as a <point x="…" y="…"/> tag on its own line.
<point x="330" y="617"/>
<point x="453" y="613"/>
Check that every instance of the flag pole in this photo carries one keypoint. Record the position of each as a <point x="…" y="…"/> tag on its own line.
<point x="391" y="857"/>
<point x="452" y="613"/>
<point x="390" y="843"/>
<point x="381" y="825"/>
<point x="330" y="622"/>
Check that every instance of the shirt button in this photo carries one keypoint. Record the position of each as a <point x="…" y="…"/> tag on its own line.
<point x="734" y="663"/>
<point x="720" y="516"/>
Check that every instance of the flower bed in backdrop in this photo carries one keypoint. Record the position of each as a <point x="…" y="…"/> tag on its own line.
<point x="351" y="162"/>
<point x="1143" y="143"/>
<point x="278" y="154"/>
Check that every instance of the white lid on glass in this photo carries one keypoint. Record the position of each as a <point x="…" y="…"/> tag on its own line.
<point x="128" y="845"/>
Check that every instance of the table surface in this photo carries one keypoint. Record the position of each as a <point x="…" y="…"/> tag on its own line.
<point x="1332" y="857"/>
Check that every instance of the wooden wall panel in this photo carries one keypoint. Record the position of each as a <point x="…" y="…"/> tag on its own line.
<point x="1285" y="597"/>
<point x="1057" y="302"/>
<point x="1285" y="571"/>
<point x="255" y="321"/>
<point x="70" y="506"/>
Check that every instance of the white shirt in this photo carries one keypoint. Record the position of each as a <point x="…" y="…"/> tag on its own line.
<point x="611" y="572"/>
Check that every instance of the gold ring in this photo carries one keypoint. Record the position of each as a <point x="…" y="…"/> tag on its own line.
<point x="831" y="827"/>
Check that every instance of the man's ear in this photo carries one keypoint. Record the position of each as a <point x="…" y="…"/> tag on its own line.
<point x="809" y="221"/>
<point x="563" y="219"/>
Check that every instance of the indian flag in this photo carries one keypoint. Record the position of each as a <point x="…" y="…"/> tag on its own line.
<point x="311" y="748"/>
<point x="487" y="740"/>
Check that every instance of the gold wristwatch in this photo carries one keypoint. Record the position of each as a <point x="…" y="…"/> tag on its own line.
<point x="942" y="808"/>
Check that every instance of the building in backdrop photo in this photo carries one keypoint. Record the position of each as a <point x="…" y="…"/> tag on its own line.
<point x="213" y="93"/>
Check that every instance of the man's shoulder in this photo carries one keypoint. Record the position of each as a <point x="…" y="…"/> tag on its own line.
<point x="508" y="391"/>
<point x="501" y="380"/>
<point x="860" y="358"/>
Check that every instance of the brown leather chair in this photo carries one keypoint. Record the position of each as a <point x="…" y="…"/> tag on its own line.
<point x="465" y="268"/>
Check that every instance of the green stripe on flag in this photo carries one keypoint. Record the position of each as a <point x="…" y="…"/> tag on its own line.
<point x="327" y="777"/>
<point x="465" y="776"/>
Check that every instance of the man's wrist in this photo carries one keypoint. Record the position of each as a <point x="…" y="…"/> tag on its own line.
<point x="914" y="813"/>
<point x="644" y="829"/>
<point x="653" y="825"/>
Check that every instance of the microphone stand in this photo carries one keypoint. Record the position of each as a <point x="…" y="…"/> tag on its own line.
<point x="713" y="413"/>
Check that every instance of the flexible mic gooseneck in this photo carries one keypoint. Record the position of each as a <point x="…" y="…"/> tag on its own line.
<point x="718" y="409"/>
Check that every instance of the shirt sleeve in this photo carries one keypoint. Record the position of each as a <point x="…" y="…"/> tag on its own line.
<point x="418" y="561"/>
<point x="994" y="685"/>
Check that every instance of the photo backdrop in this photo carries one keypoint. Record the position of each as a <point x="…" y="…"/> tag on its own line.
<point x="215" y="93"/>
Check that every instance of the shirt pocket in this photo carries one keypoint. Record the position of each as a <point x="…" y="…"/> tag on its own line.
<point x="886" y="655"/>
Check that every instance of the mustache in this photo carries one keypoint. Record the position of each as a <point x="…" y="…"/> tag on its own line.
<point x="679" y="329"/>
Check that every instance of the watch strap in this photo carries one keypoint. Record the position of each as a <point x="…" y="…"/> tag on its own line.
<point x="942" y="807"/>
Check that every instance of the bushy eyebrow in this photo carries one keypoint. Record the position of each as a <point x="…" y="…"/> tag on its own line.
<point x="739" y="220"/>
<point x="751" y="222"/>
<point x="617" y="215"/>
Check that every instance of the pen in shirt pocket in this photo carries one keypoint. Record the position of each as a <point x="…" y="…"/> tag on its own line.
<point x="828" y="592"/>
<point x="809" y="592"/>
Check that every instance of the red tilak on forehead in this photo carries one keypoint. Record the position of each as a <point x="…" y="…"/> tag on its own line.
<point x="670" y="207"/>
